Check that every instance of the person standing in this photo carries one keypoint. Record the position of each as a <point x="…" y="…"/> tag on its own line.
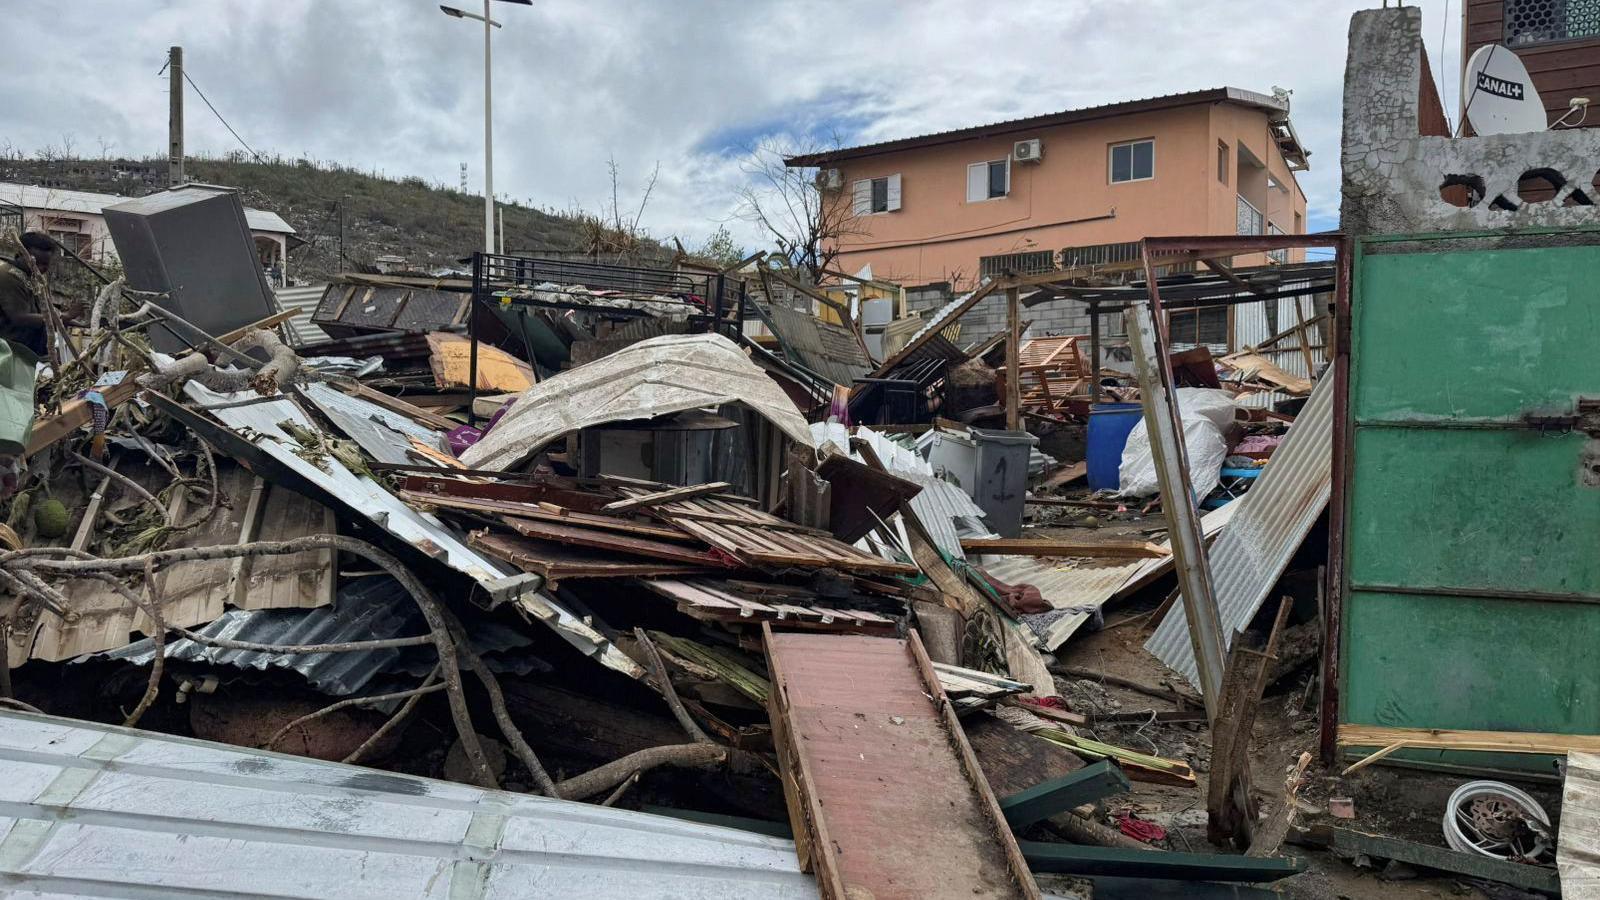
<point x="23" y="337"/>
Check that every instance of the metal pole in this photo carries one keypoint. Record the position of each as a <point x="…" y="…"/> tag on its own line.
<point x="1013" y="360"/>
<point x="488" y="136"/>
<point x="175" y="116"/>
<point x="500" y="215"/>
<point x="1094" y="353"/>
<point x="1177" y="500"/>
<point x="478" y="281"/>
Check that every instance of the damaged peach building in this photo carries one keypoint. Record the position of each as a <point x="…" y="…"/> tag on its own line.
<point x="1068" y="188"/>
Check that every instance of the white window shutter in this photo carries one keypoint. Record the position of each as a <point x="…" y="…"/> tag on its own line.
<point x="861" y="197"/>
<point x="1008" y="176"/>
<point x="894" y="192"/>
<point x="977" y="182"/>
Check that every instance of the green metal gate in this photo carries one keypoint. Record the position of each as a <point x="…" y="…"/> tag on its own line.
<point x="1471" y="543"/>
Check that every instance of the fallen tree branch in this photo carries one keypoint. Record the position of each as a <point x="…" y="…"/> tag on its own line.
<point x="688" y="756"/>
<point x="502" y="717"/>
<point x="133" y="486"/>
<point x="346" y="704"/>
<point x="394" y="720"/>
<point x="158" y="665"/>
<point x="658" y="672"/>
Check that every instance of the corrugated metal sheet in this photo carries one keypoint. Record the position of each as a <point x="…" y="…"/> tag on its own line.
<point x="96" y="811"/>
<point x="825" y="348"/>
<point x="305" y="299"/>
<point x="1252" y="326"/>
<point x="947" y="512"/>
<point x="1272" y="520"/>
<point x="1081" y="587"/>
<point x="260" y="424"/>
<point x="367" y="609"/>
<point x="652" y="378"/>
<point x="383" y="434"/>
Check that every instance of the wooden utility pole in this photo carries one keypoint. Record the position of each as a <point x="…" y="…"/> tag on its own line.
<point x="175" y="116"/>
<point x="1013" y="360"/>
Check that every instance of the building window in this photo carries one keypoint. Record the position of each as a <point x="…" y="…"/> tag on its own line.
<point x="875" y="195"/>
<point x="1198" y="326"/>
<point x="988" y="180"/>
<point x="1250" y="219"/>
<point x="1277" y="256"/>
<point x="1544" y="21"/>
<point x="1222" y="161"/>
<point x="1133" y="161"/>
<point x="1031" y="263"/>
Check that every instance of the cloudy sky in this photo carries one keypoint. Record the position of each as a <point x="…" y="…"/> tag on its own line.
<point x="396" y="86"/>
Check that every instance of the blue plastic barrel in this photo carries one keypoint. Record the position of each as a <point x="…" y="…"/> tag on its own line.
<point x="1109" y="426"/>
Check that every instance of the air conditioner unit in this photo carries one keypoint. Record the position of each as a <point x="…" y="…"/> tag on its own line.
<point x="831" y="179"/>
<point x="1027" y="151"/>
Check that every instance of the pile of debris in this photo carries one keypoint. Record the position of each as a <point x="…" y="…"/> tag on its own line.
<point x="570" y="530"/>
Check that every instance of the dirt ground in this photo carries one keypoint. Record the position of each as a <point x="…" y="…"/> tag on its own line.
<point x="1394" y="802"/>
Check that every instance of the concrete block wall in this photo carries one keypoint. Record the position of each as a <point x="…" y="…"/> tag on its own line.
<point x="988" y="318"/>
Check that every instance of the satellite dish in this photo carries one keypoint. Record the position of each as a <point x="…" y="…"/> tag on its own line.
<point x="1501" y="98"/>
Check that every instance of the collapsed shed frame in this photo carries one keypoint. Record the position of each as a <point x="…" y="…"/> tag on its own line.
<point x="1214" y="252"/>
<point x="494" y="274"/>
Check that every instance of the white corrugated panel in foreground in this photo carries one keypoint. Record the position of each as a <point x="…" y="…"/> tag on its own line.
<point x="1271" y="522"/>
<point x="96" y="811"/>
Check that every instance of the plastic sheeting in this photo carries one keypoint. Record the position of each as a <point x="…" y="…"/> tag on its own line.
<point x="1207" y="413"/>
<point x="652" y="378"/>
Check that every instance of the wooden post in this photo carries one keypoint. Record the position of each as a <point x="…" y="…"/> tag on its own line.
<point x="1013" y="360"/>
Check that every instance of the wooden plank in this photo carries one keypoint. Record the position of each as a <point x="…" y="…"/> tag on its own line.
<point x="529" y="511"/>
<point x="610" y="540"/>
<point x="554" y="561"/>
<point x="1073" y="859"/>
<point x="1059" y="795"/>
<point x="1534" y="878"/>
<point x="75" y="414"/>
<point x="660" y="497"/>
<point x="396" y="405"/>
<point x="1052" y="547"/>
<point x="866" y="743"/>
<point x="1486" y="741"/>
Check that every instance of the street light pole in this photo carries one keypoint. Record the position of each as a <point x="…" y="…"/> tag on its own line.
<point x="488" y="136"/>
<point x="489" y="25"/>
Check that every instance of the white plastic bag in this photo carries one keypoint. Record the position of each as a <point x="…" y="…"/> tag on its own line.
<point x="1207" y="414"/>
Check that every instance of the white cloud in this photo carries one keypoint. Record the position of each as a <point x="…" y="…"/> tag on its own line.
<point x="394" y="85"/>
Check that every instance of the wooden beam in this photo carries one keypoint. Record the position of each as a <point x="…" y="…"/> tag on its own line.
<point x="1482" y="741"/>
<point x="1059" y="795"/>
<point x="75" y="414"/>
<point x="396" y="405"/>
<point x="1472" y="865"/>
<point x="1052" y="547"/>
<point x="1073" y="859"/>
<point x="272" y="321"/>
<point x="668" y="496"/>
<point x="1013" y="361"/>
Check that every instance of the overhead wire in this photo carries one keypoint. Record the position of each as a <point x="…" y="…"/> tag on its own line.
<point x="214" y="112"/>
